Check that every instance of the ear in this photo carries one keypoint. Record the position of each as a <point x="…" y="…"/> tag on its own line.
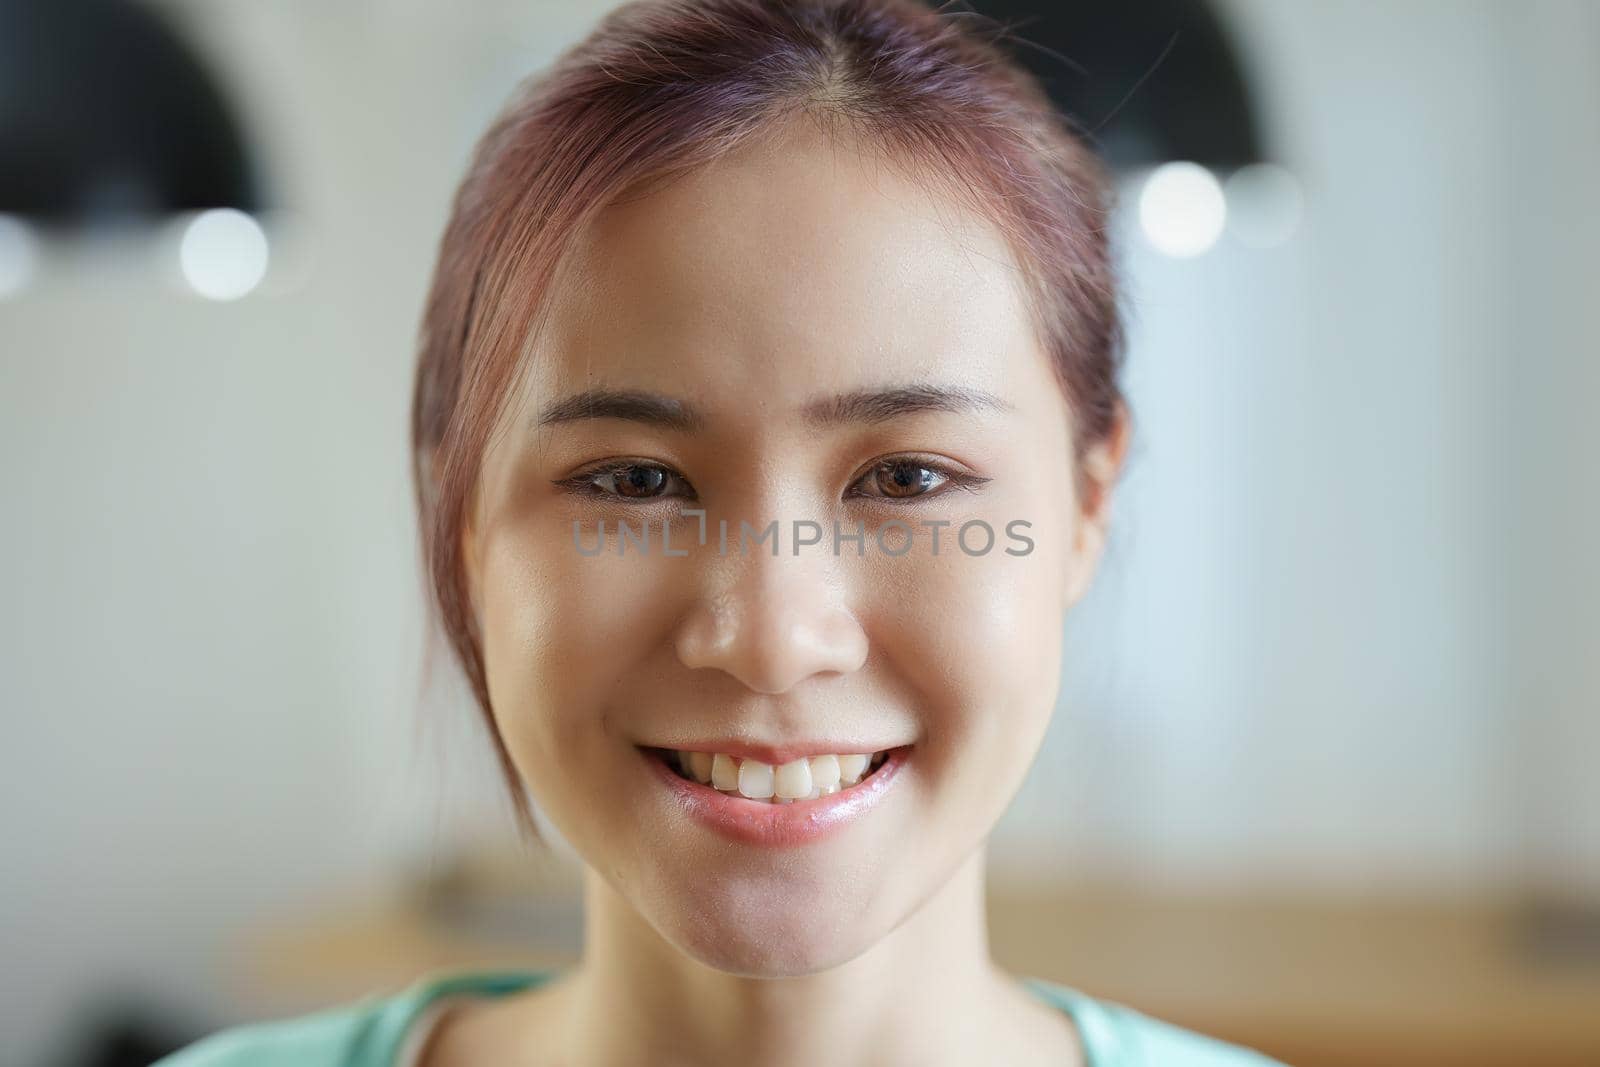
<point x="1102" y="464"/>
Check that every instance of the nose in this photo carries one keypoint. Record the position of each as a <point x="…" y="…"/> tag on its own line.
<point x="771" y="621"/>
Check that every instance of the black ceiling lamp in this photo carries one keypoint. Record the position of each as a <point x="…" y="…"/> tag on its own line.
<point x="1149" y="81"/>
<point x="107" y="116"/>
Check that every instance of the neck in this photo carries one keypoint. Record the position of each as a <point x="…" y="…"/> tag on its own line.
<point x="925" y="993"/>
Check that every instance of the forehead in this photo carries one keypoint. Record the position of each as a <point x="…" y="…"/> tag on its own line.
<point x="798" y="264"/>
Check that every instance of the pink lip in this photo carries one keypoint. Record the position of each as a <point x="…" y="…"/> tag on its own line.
<point x="757" y="822"/>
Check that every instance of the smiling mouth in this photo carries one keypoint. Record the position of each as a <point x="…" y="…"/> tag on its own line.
<point x="751" y="779"/>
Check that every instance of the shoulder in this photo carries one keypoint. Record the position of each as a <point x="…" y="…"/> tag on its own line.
<point x="1119" y="1036"/>
<point x="335" y="1037"/>
<point x="365" y="1033"/>
<point x="1147" y="1040"/>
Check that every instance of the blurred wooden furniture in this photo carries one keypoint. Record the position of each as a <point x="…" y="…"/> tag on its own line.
<point x="1319" y="982"/>
<point x="1333" y="982"/>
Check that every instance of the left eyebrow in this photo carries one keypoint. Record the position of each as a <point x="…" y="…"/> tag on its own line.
<point x="880" y="405"/>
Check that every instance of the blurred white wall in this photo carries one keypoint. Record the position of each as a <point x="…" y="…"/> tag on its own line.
<point x="1340" y="639"/>
<point x="1550" y="382"/>
<point x="209" y="661"/>
<point x="1321" y="656"/>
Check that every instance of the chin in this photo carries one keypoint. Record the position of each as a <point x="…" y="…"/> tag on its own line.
<point x="747" y="955"/>
<point x="761" y="935"/>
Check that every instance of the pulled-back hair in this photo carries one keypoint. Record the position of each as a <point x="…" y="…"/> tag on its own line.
<point x="660" y="87"/>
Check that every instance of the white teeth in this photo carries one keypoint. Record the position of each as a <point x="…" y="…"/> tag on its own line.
<point x="793" y="779"/>
<point x="724" y="772"/>
<point x="755" y="779"/>
<point x="800" y="779"/>
<point x="824" y="771"/>
<point x="851" y="768"/>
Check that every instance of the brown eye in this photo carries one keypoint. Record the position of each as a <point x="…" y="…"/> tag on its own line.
<point x="640" y="481"/>
<point x="630" y="481"/>
<point x="904" y="478"/>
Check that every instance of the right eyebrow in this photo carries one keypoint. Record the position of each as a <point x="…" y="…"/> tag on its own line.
<point x="636" y="406"/>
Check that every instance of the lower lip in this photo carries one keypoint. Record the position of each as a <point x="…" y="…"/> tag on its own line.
<point x="760" y="822"/>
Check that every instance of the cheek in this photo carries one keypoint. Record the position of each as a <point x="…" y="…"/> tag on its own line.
<point x="987" y="632"/>
<point x="979" y="639"/>
<point x="561" y="631"/>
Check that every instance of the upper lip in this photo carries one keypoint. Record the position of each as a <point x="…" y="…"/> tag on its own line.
<point x="777" y="755"/>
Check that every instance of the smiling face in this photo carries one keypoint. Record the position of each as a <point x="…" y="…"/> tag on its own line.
<point x="761" y="314"/>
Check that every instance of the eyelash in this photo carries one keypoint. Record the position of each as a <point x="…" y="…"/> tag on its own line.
<point x="582" y="483"/>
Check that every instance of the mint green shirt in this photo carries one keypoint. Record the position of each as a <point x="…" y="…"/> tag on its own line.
<point x="372" y="1032"/>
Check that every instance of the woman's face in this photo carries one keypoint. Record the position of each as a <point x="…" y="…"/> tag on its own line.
<point x="778" y="299"/>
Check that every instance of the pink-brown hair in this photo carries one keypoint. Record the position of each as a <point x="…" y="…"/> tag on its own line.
<point x="662" y="86"/>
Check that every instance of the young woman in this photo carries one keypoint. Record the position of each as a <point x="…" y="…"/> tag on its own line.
<point x="765" y="429"/>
